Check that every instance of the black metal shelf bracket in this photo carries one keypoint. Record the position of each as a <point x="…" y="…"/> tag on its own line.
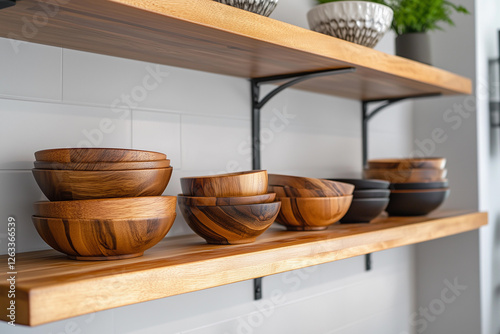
<point x="7" y="3"/>
<point x="258" y="104"/>
<point x="366" y="116"/>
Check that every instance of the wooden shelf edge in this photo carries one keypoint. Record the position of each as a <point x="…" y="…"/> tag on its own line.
<point x="51" y="287"/>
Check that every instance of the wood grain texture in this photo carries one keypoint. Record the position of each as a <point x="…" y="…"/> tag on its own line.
<point x="98" y="240"/>
<point x="284" y="191"/>
<point x="213" y="201"/>
<point x="332" y="188"/>
<point x="406" y="176"/>
<point x="312" y="214"/>
<point x="50" y="287"/>
<point x="230" y="224"/>
<point x="96" y="155"/>
<point x="65" y="185"/>
<point x="408" y="163"/>
<point x="248" y="183"/>
<point x="110" y="208"/>
<point x="209" y="36"/>
<point x="90" y="166"/>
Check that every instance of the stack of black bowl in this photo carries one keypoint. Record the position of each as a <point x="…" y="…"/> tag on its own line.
<point x="418" y="185"/>
<point x="370" y="198"/>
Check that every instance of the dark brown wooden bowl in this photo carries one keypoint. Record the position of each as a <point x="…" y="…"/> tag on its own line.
<point x="364" y="184"/>
<point x="213" y="201"/>
<point x="107" y="239"/>
<point x="332" y="187"/>
<point x="371" y="193"/>
<point x="284" y="191"/>
<point x="250" y="183"/>
<point x="363" y="210"/>
<point x="407" y="163"/>
<point x="230" y="224"/>
<point x="97" y="155"/>
<point x="415" y="202"/>
<point x="406" y="176"/>
<point x="90" y="166"/>
<point x="312" y="214"/>
<point x="420" y="185"/>
<point x="110" y="208"/>
<point x="65" y="185"/>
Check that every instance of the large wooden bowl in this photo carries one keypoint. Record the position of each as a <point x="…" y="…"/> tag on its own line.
<point x="331" y="187"/>
<point x="64" y="185"/>
<point x="108" y="239"/>
<point x="409" y="163"/>
<point x="230" y="224"/>
<point x="96" y="155"/>
<point x="110" y="208"/>
<point x="213" y="201"/>
<point x="312" y="214"/>
<point x="284" y="191"/>
<point x="250" y="183"/>
<point x="89" y="166"/>
<point x="406" y="176"/>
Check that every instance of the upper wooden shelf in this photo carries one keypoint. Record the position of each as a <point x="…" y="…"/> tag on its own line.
<point x="50" y="287"/>
<point x="209" y="36"/>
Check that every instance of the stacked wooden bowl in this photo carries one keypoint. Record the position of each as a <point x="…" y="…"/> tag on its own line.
<point x="418" y="185"/>
<point x="230" y="208"/>
<point x="370" y="199"/>
<point x="105" y="203"/>
<point x="309" y="204"/>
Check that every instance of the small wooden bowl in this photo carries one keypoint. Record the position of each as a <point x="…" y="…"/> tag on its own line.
<point x="64" y="185"/>
<point x="406" y="176"/>
<point x="97" y="155"/>
<point x="230" y="224"/>
<point x="91" y="166"/>
<point x="284" y="191"/>
<point x="409" y="163"/>
<point x="110" y="208"/>
<point x="331" y="187"/>
<point x="111" y="239"/>
<point x="312" y="214"/>
<point x="249" y="183"/>
<point x="213" y="201"/>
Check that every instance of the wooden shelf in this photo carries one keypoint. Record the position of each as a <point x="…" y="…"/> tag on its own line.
<point x="209" y="36"/>
<point x="50" y="287"/>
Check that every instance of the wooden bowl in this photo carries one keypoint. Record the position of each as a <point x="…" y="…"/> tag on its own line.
<point x="96" y="155"/>
<point x="406" y="176"/>
<point x="213" y="201"/>
<point x="420" y="185"/>
<point x="415" y="202"/>
<point x="230" y="224"/>
<point x="250" y="183"/>
<point x="110" y="208"/>
<point x="363" y="210"/>
<point x="371" y="193"/>
<point x="409" y="163"/>
<point x="363" y="184"/>
<point x="90" y="166"/>
<point x="332" y="187"/>
<point x="63" y="185"/>
<point x="108" y="239"/>
<point x="285" y="191"/>
<point x="312" y="214"/>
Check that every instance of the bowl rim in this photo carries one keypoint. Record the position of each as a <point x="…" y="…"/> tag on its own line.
<point x="233" y="174"/>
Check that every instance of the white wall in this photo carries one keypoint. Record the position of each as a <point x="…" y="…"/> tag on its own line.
<point x="50" y="97"/>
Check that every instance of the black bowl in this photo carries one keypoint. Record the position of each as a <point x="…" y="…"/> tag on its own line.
<point x="415" y="202"/>
<point x="419" y="185"/>
<point x="365" y="184"/>
<point x="362" y="210"/>
<point x="371" y="193"/>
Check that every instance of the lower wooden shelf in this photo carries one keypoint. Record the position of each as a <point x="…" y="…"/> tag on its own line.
<point x="49" y="287"/>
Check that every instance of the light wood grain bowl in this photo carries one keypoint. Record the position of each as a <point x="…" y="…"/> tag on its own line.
<point x="331" y="187"/>
<point x="409" y="163"/>
<point x="250" y="183"/>
<point x="406" y="176"/>
<point x="230" y="224"/>
<point x="63" y="185"/>
<point x="312" y="214"/>
<point x="110" y="208"/>
<point x="90" y="166"/>
<point x="284" y="191"/>
<point x="106" y="239"/>
<point x="213" y="201"/>
<point x="97" y="155"/>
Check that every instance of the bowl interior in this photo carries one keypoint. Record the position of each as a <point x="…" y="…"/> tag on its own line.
<point x="97" y="155"/>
